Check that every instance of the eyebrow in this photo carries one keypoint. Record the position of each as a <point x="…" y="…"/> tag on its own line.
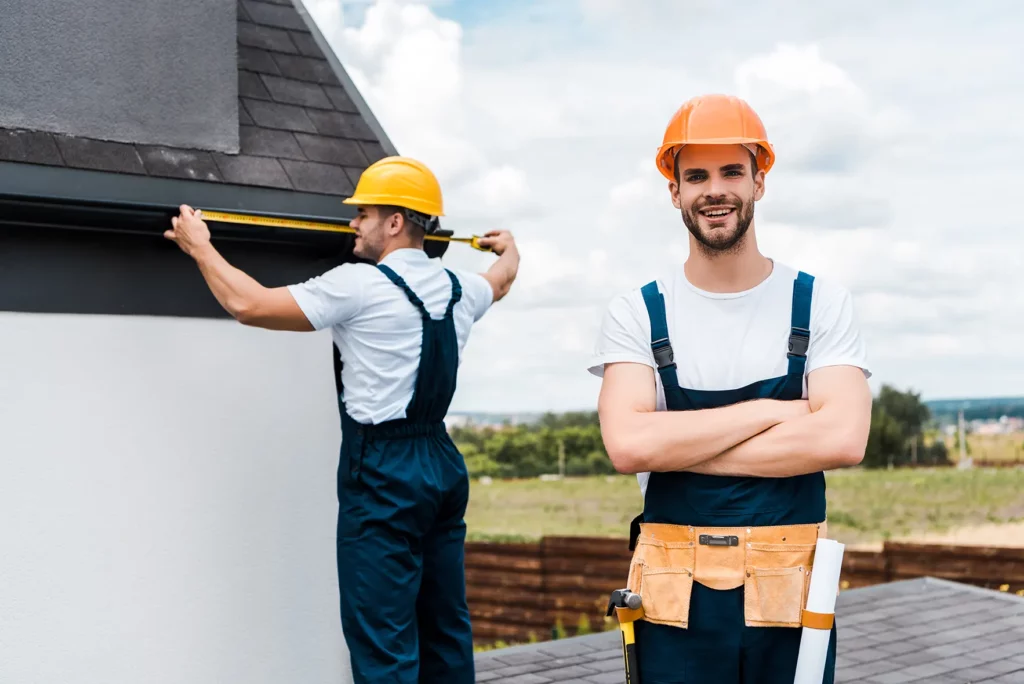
<point x="727" y="167"/>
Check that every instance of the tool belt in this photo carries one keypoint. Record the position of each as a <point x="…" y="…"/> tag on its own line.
<point x="772" y="564"/>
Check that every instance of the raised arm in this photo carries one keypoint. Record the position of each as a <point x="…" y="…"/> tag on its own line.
<point x="639" y="439"/>
<point x="833" y="435"/>
<point x="502" y="272"/>
<point x="249" y="302"/>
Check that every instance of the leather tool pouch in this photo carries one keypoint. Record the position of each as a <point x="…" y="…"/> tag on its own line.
<point x="661" y="571"/>
<point x="772" y="564"/>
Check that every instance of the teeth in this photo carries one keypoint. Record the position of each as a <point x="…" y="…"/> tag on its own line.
<point x="717" y="212"/>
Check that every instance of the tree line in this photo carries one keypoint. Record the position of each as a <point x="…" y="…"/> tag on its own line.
<point x="902" y="433"/>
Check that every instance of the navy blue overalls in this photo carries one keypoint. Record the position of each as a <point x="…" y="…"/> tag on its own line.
<point x="717" y="647"/>
<point x="403" y="489"/>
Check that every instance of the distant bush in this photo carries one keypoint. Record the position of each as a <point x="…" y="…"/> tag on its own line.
<point x="533" y="450"/>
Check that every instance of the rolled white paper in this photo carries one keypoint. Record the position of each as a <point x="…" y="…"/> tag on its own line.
<point x="821" y="598"/>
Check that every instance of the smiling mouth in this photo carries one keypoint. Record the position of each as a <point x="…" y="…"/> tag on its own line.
<point x="717" y="212"/>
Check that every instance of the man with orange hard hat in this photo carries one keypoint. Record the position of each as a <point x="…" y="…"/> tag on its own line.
<point x="730" y="384"/>
<point x="399" y="326"/>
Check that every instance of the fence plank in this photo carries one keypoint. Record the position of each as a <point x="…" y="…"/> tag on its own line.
<point x="595" y="547"/>
<point x="511" y="615"/>
<point x="604" y="569"/>
<point x="502" y="578"/>
<point x="1007" y="553"/>
<point x="501" y="561"/>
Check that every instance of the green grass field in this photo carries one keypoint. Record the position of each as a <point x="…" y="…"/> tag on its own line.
<point x="864" y="506"/>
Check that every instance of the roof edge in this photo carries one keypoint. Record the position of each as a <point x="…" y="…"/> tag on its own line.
<point x="346" y="80"/>
<point x="57" y="183"/>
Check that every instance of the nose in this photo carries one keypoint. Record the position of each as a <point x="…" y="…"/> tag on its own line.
<point x="715" y="189"/>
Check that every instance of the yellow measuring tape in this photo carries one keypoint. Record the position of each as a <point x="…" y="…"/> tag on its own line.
<point x="225" y="217"/>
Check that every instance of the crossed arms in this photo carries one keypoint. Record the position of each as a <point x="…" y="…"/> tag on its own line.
<point x="760" y="438"/>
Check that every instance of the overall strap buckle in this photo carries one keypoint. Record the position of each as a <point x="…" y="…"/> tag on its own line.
<point x="663" y="354"/>
<point x="799" y="341"/>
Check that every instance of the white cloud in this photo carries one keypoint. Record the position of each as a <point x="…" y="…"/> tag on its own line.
<point x="793" y="68"/>
<point x="502" y="189"/>
<point x="545" y="120"/>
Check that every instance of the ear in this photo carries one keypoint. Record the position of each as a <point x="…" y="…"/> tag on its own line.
<point x="758" y="184"/>
<point x="395" y="224"/>
<point x="673" y="189"/>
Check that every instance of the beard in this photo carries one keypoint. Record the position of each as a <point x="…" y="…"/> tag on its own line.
<point x="720" y="240"/>
<point x="364" y="248"/>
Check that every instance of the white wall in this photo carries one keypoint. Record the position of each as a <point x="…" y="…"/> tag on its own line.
<point x="167" y="503"/>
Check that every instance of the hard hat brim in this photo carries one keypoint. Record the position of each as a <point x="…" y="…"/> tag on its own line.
<point x="665" y="158"/>
<point x="395" y="200"/>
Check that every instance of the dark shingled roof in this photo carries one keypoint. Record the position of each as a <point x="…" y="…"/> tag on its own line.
<point x="922" y="630"/>
<point x="301" y="127"/>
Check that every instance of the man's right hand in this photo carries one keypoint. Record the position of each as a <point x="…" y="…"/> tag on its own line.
<point x="497" y="241"/>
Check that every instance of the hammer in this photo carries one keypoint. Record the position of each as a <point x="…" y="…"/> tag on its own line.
<point x="628" y="607"/>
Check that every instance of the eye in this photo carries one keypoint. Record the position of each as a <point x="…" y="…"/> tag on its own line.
<point x="696" y="177"/>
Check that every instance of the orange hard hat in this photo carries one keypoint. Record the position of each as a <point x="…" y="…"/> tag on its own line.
<point x="714" y="120"/>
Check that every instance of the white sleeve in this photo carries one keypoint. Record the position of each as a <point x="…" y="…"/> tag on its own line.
<point x="331" y="298"/>
<point x="835" y="336"/>
<point x="624" y="336"/>
<point x="476" y="292"/>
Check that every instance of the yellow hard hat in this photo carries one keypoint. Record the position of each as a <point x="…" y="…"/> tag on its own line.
<point x="402" y="182"/>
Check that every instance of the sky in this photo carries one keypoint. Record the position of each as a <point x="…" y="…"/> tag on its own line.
<point x="900" y="158"/>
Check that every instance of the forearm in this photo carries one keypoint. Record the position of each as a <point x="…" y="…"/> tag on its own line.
<point x="236" y="291"/>
<point x="502" y="272"/>
<point x="662" y="441"/>
<point x="819" y="441"/>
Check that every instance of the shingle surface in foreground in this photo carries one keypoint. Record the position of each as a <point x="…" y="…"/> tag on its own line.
<point x="924" y="630"/>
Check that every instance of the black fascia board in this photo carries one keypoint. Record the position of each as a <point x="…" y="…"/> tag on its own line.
<point x="57" y="197"/>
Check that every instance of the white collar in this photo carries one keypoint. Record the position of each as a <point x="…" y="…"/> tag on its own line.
<point x="406" y="255"/>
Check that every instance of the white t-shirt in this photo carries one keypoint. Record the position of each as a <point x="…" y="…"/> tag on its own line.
<point x="378" y="330"/>
<point x="728" y="340"/>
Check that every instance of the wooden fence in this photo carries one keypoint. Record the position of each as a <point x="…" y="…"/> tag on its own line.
<point x="520" y="592"/>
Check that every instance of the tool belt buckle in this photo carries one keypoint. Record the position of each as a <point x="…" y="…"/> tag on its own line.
<point x="718" y="540"/>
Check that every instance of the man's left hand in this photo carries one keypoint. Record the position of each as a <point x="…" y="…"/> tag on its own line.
<point x="188" y="230"/>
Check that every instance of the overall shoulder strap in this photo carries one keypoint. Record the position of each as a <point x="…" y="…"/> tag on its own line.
<point x="800" y="323"/>
<point x="456" y="293"/>
<point x="400" y="282"/>
<point x="661" y="346"/>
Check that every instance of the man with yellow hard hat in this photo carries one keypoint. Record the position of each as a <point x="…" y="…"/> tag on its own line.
<point x="399" y="328"/>
<point x="729" y="385"/>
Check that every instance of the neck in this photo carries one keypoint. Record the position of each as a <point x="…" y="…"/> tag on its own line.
<point x="400" y="243"/>
<point x="736" y="270"/>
